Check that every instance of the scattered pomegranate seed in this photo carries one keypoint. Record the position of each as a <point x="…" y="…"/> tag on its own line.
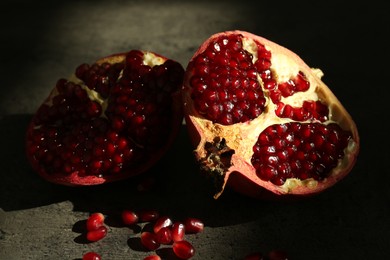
<point x="152" y="257"/>
<point x="92" y="256"/>
<point x="148" y="215"/>
<point x="193" y="225"/>
<point x="149" y="240"/>
<point x="98" y="234"/>
<point x="178" y="231"/>
<point x="129" y="217"/>
<point x="183" y="249"/>
<point x="94" y="221"/>
<point x="164" y="236"/>
<point x="161" y="222"/>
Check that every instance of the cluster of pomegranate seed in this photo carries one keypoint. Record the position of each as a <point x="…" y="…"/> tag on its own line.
<point x="96" y="229"/>
<point x="297" y="150"/>
<point x="163" y="231"/>
<point x="225" y="85"/>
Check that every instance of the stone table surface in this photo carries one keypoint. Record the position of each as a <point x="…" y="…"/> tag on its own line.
<point x="42" y="41"/>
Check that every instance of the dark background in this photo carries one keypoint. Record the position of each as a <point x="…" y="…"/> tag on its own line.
<point x="43" y="41"/>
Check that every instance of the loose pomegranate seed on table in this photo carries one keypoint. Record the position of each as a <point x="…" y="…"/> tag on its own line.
<point x="149" y="240"/>
<point x="255" y="109"/>
<point x="161" y="222"/>
<point x="97" y="234"/>
<point x="193" y="225"/>
<point x="129" y="217"/>
<point x="91" y="256"/>
<point x="183" y="249"/>
<point x="94" y="221"/>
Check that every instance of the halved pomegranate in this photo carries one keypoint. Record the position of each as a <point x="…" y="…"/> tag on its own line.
<point x="262" y="120"/>
<point x="109" y="121"/>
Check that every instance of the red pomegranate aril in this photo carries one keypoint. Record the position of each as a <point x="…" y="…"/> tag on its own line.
<point x="129" y="217"/>
<point x="149" y="240"/>
<point x="164" y="236"/>
<point x="91" y="256"/>
<point x="183" y="249"/>
<point x="152" y="257"/>
<point x="269" y="101"/>
<point x="95" y="221"/>
<point x="148" y="215"/>
<point x="161" y="222"/>
<point x="193" y="225"/>
<point x="178" y="231"/>
<point x="97" y="234"/>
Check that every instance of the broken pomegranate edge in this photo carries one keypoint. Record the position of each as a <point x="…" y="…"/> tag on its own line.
<point x="286" y="95"/>
<point x="134" y="118"/>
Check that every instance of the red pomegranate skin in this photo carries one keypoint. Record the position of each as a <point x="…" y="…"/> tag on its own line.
<point x="262" y="121"/>
<point x="109" y="121"/>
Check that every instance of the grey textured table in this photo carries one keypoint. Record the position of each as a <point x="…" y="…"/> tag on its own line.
<point x="42" y="42"/>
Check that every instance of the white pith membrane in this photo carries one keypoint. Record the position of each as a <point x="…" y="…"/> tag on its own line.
<point x="241" y="137"/>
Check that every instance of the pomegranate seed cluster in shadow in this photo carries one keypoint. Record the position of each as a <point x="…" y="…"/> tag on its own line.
<point x="112" y="118"/>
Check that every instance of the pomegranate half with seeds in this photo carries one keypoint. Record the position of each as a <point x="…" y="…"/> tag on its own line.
<point x="109" y="121"/>
<point x="262" y="121"/>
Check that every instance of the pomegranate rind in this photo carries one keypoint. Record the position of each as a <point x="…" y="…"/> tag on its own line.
<point x="74" y="179"/>
<point x="238" y="173"/>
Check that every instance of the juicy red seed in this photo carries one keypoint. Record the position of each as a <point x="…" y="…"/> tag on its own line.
<point x="296" y="150"/>
<point x="183" y="249"/>
<point x="148" y="215"/>
<point x="95" y="221"/>
<point x="193" y="225"/>
<point x="178" y="231"/>
<point x="149" y="240"/>
<point x="161" y="222"/>
<point x="97" y="234"/>
<point x="129" y="217"/>
<point x="152" y="257"/>
<point x="164" y="235"/>
<point x="91" y="256"/>
<point x="230" y="73"/>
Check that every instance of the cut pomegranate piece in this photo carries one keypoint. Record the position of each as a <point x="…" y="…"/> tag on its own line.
<point x="111" y="120"/>
<point x="262" y="121"/>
